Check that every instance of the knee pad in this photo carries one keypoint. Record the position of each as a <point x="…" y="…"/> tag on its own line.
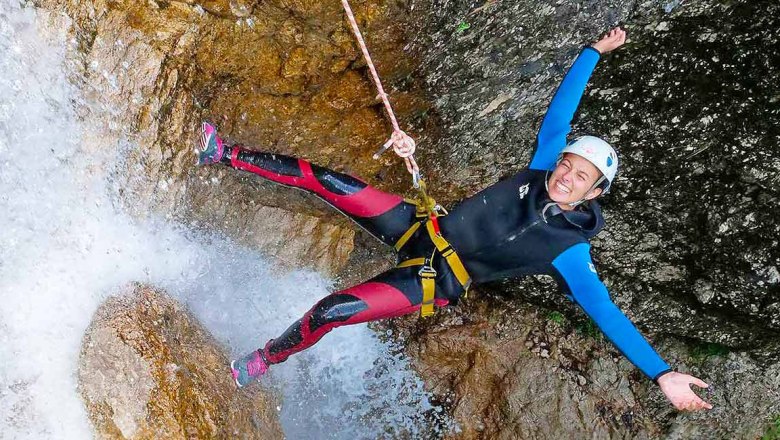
<point x="337" y="183"/>
<point x="335" y="308"/>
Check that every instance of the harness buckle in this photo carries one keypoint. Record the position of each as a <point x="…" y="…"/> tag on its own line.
<point x="427" y="271"/>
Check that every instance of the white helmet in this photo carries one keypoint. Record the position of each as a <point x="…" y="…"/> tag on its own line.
<point x="599" y="153"/>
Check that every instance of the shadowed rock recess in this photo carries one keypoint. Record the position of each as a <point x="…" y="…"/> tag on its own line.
<point x="690" y="251"/>
<point x="147" y="370"/>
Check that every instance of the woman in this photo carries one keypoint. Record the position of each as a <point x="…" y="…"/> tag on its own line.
<point x="538" y="221"/>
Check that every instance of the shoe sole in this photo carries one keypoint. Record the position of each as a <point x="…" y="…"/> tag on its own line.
<point x="235" y="378"/>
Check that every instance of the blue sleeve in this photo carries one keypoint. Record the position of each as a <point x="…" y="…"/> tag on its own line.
<point x="577" y="270"/>
<point x="556" y="124"/>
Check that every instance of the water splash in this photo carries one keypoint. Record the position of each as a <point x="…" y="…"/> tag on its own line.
<point x="66" y="244"/>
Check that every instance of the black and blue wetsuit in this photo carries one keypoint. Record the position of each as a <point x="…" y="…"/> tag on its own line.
<point x="503" y="231"/>
<point x="500" y="232"/>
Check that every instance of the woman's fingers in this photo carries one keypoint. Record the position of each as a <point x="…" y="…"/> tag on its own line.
<point x="694" y="404"/>
<point x="619" y="38"/>
<point x="677" y="388"/>
<point x="700" y="403"/>
<point x="689" y="400"/>
<point x="612" y="39"/>
<point x="687" y="405"/>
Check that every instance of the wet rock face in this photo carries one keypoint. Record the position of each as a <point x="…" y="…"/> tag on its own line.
<point x="148" y="370"/>
<point x="691" y="103"/>
<point x="276" y="76"/>
<point x="507" y="370"/>
<point x="701" y="163"/>
<point x="690" y="247"/>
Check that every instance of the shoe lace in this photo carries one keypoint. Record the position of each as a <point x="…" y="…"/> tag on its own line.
<point x="256" y="366"/>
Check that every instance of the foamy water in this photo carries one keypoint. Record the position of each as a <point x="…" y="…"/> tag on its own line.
<point x="66" y="244"/>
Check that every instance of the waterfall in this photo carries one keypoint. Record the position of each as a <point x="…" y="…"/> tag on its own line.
<point x="67" y="243"/>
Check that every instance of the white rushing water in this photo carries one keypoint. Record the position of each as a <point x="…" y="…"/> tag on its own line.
<point x="66" y="244"/>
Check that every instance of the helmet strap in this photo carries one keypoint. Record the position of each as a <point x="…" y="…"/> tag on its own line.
<point x="546" y="178"/>
<point x="583" y="200"/>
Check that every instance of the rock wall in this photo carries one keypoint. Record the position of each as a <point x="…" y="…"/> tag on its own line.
<point x="277" y="76"/>
<point x="691" y="238"/>
<point x="690" y="250"/>
<point x="148" y="370"/>
<point x="506" y="369"/>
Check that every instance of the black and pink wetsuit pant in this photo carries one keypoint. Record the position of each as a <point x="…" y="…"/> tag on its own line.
<point x="393" y="293"/>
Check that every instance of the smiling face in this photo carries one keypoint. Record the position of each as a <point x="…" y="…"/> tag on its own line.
<point x="571" y="180"/>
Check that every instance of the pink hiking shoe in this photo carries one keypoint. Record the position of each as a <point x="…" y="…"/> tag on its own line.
<point x="248" y="368"/>
<point x="211" y="146"/>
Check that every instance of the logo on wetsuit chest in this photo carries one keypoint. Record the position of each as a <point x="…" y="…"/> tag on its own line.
<point x="523" y="190"/>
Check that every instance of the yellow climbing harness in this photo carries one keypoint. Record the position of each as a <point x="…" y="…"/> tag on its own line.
<point x="428" y="211"/>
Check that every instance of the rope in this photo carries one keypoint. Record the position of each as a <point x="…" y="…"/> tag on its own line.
<point x="402" y="144"/>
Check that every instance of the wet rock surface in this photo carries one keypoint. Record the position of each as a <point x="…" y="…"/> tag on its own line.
<point x="275" y="76"/>
<point x="691" y="103"/>
<point x="690" y="250"/>
<point x="505" y="369"/>
<point x="148" y="370"/>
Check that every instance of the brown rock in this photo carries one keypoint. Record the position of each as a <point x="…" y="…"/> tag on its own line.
<point x="148" y="370"/>
<point x="281" y="76"/>
<point x="285" y="76"/>
<point x="510" y="383"/>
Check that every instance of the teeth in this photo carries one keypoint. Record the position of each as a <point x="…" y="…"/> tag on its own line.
<point x="562" y="188"/>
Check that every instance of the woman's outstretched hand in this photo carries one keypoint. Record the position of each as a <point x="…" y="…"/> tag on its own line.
<point x="676" y="387"/>
<point x="614" y="39"/>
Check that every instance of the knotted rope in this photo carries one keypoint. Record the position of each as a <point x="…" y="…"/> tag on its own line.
<point x="402" y="144"/>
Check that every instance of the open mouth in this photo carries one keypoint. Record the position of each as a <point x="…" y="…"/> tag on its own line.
<point x="560" y="187"/>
